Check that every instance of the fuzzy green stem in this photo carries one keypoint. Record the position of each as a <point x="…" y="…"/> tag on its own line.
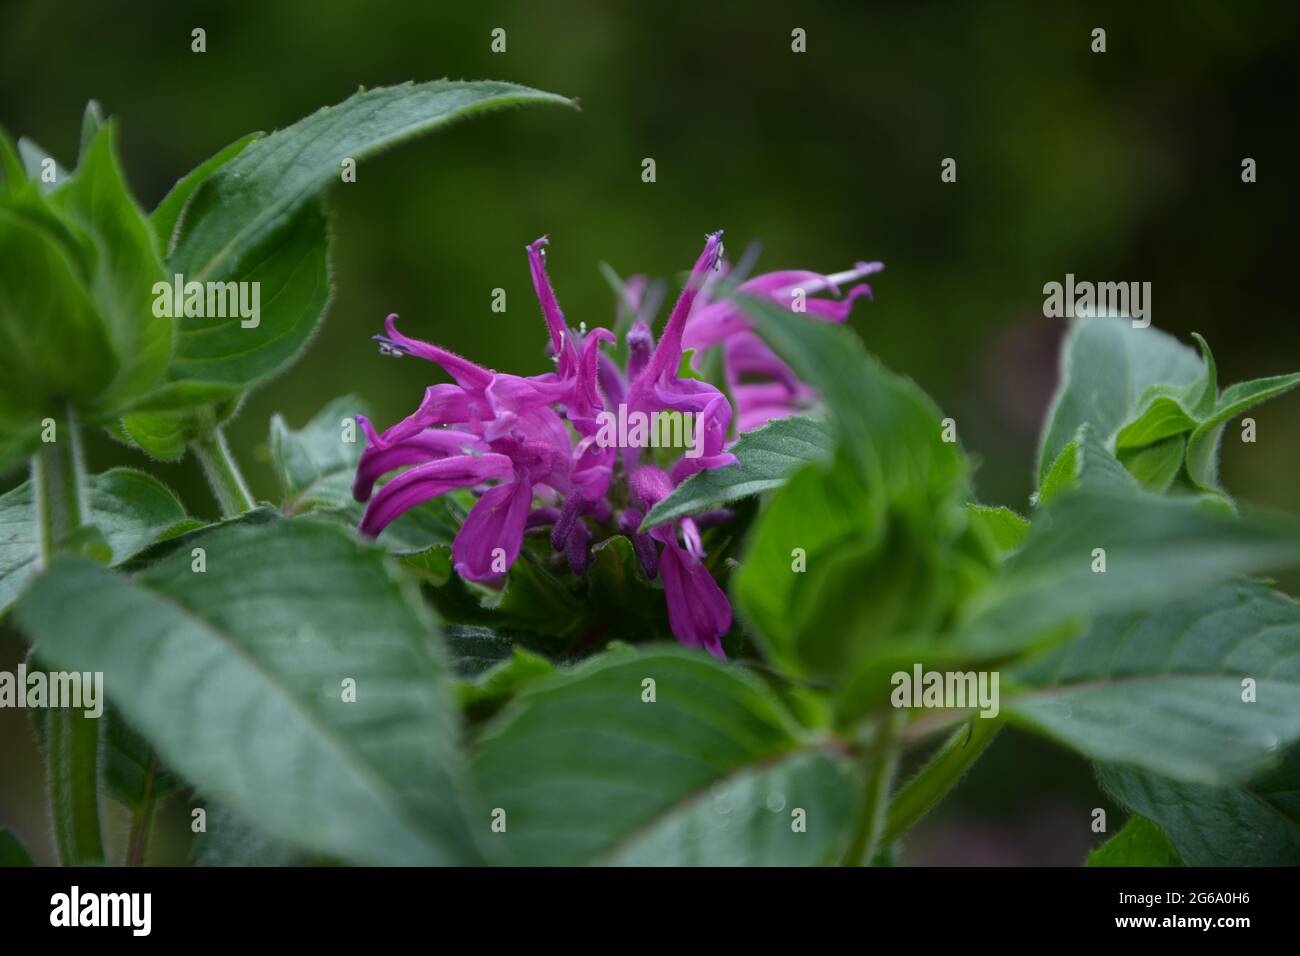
<point x="137" y="844"/>
<point x="73" y="738"/>
<point x="878" y="767"/>
<point x="223" y="474"/>
<point x="919" y="795"/>
<point x="60" y="493"/>
<point x="72" y="765"/>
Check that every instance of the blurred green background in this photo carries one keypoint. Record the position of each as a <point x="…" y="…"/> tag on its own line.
<point x="1116" y="166"/>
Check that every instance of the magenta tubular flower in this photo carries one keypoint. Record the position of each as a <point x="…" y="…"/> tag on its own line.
<point x="698" y="612"/>
<point x="529" y="447"/>
<point x="761" y="384"/>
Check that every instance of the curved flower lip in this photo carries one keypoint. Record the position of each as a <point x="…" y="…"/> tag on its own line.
<point x="698" y="610"/>
<point x="509" y="394"/>
<point x="443" y="404"/>
<point x="484" y="395"/>
<point x="379" y="457"/>
<point x="711" y="438"/>
<point x="467" y="374"/>
<point x="493" y="533"/>
<point x="715" y="321"/>
<point x="667" y="355"/>
<point x="427" y="481"/>
<point x="782" y="282"/>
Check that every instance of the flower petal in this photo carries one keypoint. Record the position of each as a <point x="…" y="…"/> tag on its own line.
<point x="379" y="459"/>
<point x="489" y="541"/>
<point x="466" y="373"/>
<point x="668" y="353"/>
<point x="427" y="481"/>
<point x="698" y="612"/>
<point x="561" y="339"/>
<point x="836" y="310"/>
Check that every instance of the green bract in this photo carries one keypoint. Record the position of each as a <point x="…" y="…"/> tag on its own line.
<point x="77" y="270"/>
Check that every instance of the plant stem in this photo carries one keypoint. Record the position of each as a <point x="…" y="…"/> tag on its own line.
<point x="73" y="738"/>
<point x="878" y="766"/>
<point x="223" y="474"/>
<point x="919" y="795"/>
<point x="60" y="494"/>
<point x="142" y="817"/>
<point x="72" y="766"/>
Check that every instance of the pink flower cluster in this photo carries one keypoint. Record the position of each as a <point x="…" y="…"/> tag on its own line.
<point x="527" y="445"/>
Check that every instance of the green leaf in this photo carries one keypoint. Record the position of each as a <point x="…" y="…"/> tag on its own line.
<point x="11" y="165"/>
<point x="1203" y="446"/>
<point x="235" y="677"/>
<point x="193" y="534"/>
<point x="230" y="840"/>
<point x="34" y="157"/>
<point x="489" y="692"/>
<point x="291" y="273"/>
<point x="1062" y="476"/>
<point x="163" y="436"/>
<point x="1162" y="418"/>
<point x="257" y="218"/>
<point x="620" y="601"/>
<point x="874" y="531"/>
<point x="748" y="820"/>
<point x="76" y="321"/>
<point x="535" y="597"/>
<point x="1006" y="528"/>
<point x="1203" y="402"/>
<point x="1098" y="469"/>
<point x="768" y="457"/>
<point x="1157" y="549"/>
<point x="91" y="122"/>
<point x="819" y="514"/>
<point x="1140" y="843"/>
<point x="476" y="649"/>
<point x="130" y="767"/>
<point x="245" y="201"/>
<point x="1163" y="690"/>
<point x="1107" y="367"/>
<point x="130" y="508"/>
<point x="1156" y="466"/>
<point x="163" y="220"/>
<point x="1256" y="824"/>
<point x="125" y="268"/>
<point x="53" y="346"/>
<point x="12" y="851"/>
<point x="891" y="428"/>
<point x="314" y="466"/>
<point x="1085" y="462"/>
<point x="588" y="771"/>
